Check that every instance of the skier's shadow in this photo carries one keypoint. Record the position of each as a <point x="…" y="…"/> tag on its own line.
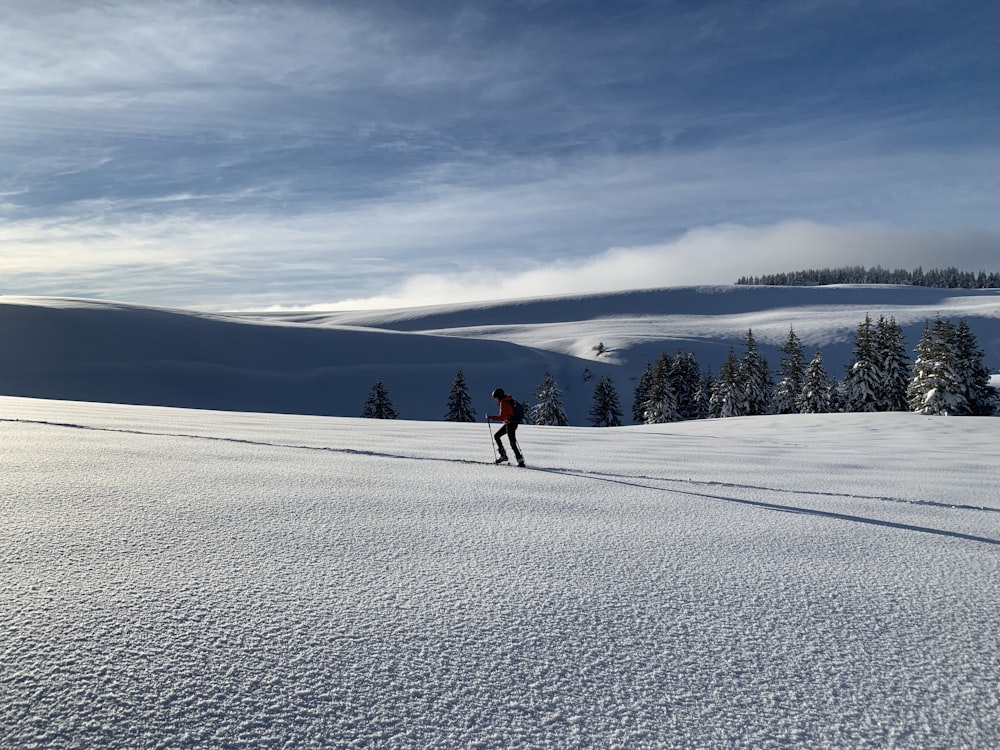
<point x="782" y="508"/>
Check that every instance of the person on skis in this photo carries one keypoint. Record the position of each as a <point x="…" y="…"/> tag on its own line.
<point x="510" y="418"/>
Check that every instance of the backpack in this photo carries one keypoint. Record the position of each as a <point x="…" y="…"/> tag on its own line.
<point x="518" y="411"/>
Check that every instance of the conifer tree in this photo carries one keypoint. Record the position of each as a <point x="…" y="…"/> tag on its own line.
<point x="863" y="380"/>
<point x="685" y="376"/>
<point x="704" y="397"/>
<point x="974" y="376"/>
<point x="756" y="379"/>
<point x="459" y="402"/>
<point x="895" y="365"/>
<point x="716" y="395"/>
<point x="642" y="394"/>
<point x="548" y="408"/>
<point x="936" y="387"/>
<point x="817" y="391"/>
<point x="728" y="393"/>
<point x="378" y="405"/>
<point x="792" y="374"/>
<point x="661" y="400"/>
<point x="607" y="410"/>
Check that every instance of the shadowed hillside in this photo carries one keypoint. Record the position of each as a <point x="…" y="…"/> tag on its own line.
<point x="326" y="363"/>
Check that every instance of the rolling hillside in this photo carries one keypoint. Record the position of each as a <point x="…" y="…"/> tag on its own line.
<point x="325" y="363"/>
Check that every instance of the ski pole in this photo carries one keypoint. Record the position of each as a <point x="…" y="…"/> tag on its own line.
<point x="492" y="444"/>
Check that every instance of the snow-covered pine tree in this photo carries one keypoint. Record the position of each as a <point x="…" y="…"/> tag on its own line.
<point x="729" y="396"/>
<point x="817" y="391"/>
<point x="378" y="405"/>
<point x="704" y="397"/>
<point x="973" y="374"/>
<point x="459" y="401"/>
<point x="607" y="410"/>
<point x="716" y="395"/>
<point x="936" y="386"/>
<point x="863" y="379"/>
<point x="685" y="375"/>
<point x="661" y="400"/>
<point x="791" y="373"/>
<point x="548" y="408"/>
<point x="895" y="365"/>
<point x="756" y="377"/>
<point x="642" y="393"/>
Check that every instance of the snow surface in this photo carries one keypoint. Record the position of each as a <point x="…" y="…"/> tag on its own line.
<point x="185" y="579"/>
<point x="327" y="363"/>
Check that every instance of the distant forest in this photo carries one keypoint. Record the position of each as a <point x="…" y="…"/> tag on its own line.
<point x="944" y="278"/>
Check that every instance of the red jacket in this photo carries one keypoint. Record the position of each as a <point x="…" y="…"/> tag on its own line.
<point x="506" y="410"/>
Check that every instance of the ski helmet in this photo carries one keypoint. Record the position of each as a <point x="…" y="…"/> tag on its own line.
<point x="498" y="393"/>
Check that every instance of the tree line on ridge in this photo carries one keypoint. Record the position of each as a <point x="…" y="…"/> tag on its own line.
<point x="944" y="278"/>
<point x="947" y="377"/>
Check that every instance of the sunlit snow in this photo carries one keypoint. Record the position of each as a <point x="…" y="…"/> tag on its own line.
<point x="190" y="579"/>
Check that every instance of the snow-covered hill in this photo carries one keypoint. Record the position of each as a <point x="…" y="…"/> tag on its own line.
<point x="316" y="363"/>
<point x="191" y="579"/>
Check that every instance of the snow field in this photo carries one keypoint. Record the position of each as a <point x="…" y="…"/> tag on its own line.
<point x="173" y="578"/>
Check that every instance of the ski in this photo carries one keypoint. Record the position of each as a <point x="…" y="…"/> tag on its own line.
<point x="505" y="461"/>
<point x="494" y="463"/>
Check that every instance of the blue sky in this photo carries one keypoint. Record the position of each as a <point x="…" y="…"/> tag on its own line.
<point x="224" y="155"/>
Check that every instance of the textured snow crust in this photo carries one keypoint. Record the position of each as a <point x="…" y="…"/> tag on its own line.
<point x="190" y="579"/>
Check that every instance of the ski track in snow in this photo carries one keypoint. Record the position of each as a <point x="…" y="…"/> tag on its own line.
<point x="630" y="479"/>
<point x="176" y="579"/>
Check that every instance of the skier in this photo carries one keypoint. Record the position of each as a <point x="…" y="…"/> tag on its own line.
<point x="510" y="418"/>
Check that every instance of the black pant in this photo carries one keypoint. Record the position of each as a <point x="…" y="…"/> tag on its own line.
<point x="509" y="430"/>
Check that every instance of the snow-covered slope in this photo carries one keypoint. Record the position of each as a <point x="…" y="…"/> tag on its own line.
<point x="319" y="363"/>
<point x="191" y="579"/>
<point x="93" y="351"/>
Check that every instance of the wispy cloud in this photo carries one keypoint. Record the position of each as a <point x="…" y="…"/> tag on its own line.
<point x="453" y="234"/>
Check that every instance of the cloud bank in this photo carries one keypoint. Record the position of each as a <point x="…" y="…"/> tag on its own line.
<point x="713" y="255"/>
